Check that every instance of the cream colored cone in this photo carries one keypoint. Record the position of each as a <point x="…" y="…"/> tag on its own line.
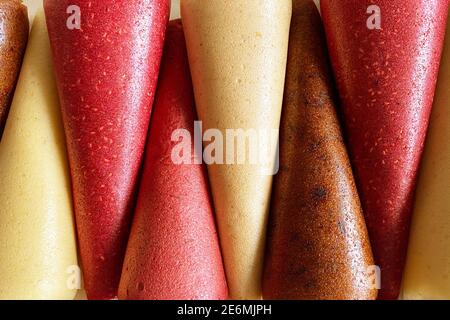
<point x="237" y="53"/>
<point x="33" y="6"/>
<point x="427" y="273"/>
<point x="38" y="255"/>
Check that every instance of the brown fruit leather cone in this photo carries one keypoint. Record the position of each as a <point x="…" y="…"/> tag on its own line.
<point x="13" y="41"/>
<point x="318" y="246"/>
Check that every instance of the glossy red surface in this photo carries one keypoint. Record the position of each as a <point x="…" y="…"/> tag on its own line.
<point x="386" y="79"/>
<point x="106" y="73"/>
<point x="173" y="252"/>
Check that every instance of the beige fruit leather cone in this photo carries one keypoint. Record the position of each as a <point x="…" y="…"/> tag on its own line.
<point x="38" y="255"/>
<point x="427" y="273"/>
<point x="237" y="53"/>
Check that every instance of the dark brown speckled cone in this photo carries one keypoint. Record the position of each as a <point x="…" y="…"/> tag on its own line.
<point x="13" y="41"/>
<point x="318" y="246"/>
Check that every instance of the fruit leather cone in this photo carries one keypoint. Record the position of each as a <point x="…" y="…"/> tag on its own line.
<point x="428" y="266"/>
<point x="237" y="52"/>
<point x="317" y="245"/>
<point x="106" y="69"/>
<point x="173" y="251"/>
<point x="385" y="56"/>
<point x="13" y="41"/>
<point x="38" y="256"/>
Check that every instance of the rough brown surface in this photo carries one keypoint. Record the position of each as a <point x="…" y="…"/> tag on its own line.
<point x="318" y="246"/>
<point x="13" y="40"/>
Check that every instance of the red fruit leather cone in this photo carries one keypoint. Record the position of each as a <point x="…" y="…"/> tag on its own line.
<point x="173" y="251"/>
<point x="385" y="56"/>
<point x="106" y="73"/>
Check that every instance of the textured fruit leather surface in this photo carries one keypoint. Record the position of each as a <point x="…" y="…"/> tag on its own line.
<point x="34" y="5"/>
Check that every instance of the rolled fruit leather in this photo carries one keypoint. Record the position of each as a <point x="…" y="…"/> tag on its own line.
<point x="317" y="243"/>
<point x="385" y="56"/>
<point x="173" y="251"/>
<point x="237" y="52"/>
<point x="38" y="256"/>
<point x="13" y="41"/>
<point x="106" y="70"/>
<point x="428" y="263"/>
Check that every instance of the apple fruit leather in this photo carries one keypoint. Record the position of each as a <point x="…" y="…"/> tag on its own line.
<point x="38" y="256"/>
<point x="173" y="251"/>
<point x="106" y="67"/>
<point x="385" y="56"/>
<point x="237" y="53"/>
<point x="317" y="243"/>
<point x="14" y="30"/>
<point x="428" y="266"/>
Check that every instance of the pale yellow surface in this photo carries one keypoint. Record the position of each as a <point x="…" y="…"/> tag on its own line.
<point x="37" y="238"/>
<point x="427" y="274"/>
<point x="175" y="9"/>
<point x="237" y="52"/>
<point x="33" y="6"/>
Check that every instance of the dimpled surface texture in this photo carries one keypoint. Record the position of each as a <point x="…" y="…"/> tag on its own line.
<point x="13" y="40"/>
<point x="317" y="246"/>
<point x="237" y="53"/>
<point x="106" y="74"/>
<point x="37" y="232"/>
<point x="427" y="272"/>
<point x="173" y="251"/>
<point x="386" y="80"/>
